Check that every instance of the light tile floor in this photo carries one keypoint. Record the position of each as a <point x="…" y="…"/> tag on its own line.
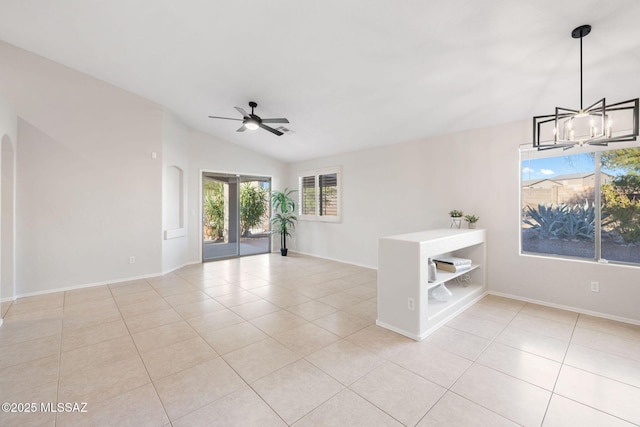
<point x="274" y="341"/>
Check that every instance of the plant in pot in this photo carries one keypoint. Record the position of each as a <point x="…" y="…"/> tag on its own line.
<point x="471" y="219"/>
<point x="456" y="218"/>
<point x="284" y="219"/>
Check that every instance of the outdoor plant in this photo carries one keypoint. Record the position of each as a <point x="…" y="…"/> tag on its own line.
<point x="562" y="221"/>
<point x="214" y="209"/>
<point x="284" y="218"/>
<point x="622" y="202"/>
<point x="253" y="207"/>
<point x="455" y="214"/>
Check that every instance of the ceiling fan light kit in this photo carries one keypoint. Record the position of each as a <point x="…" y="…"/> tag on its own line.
<point x="598" y="124"/>
<point x="252" y="121"/>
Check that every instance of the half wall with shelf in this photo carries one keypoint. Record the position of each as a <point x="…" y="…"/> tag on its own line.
<point x="404" y="305"/>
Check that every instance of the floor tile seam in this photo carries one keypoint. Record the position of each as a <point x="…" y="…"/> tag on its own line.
<point x="121" y="305"/>
<point x="562" y="365"/>
<point x="552" y="320"/>
<point x="601" y="376"/>
<point x="12" y="318"/>
<point x="474" y="361"/>
<point x="594" y="408"/>
<point x="241" y="347"/>
<point x="55" y="418"/>
<point x="482" y="317"/>
<point x="31" y="361"/>
<point x="484" y="407"/>
<point x="542" y="332"/>
<point x="146" y="353"/>
<point x="320" y="404"/>
<point x="432" y="406"/>
<point x="67" y="350"/>
<point x="4" y="346"/>
<point x="329" y="374"/>
<point x="85" y="328"/>
<point x="637" y="385"/>
<point x="474" y="334"/>
<point x="633" y="326"/>
<point x="144" y="365"/>
<point x="89" y="300"/>
<point x="522" y="350"/>
<point x="382" y="409"/>
<point x="254" y="380"/>
<point x="517" y="378"/>
<point x="179" y="341"/>
<point x="328" y="330"/>
<point x="609" y="333"/>
<point x="606" y="351"/>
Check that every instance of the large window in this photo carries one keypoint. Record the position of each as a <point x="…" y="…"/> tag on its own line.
<point x="320" y="195"/>
<point x="584" y="204"/>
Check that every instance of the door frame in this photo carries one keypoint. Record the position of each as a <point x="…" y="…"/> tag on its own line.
<point x="201" y="213"/>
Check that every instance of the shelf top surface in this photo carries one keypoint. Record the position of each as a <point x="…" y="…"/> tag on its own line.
<point x="436" y="234"/>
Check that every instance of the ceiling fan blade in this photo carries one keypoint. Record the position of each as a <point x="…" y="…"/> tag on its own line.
<point x="241" y="110"/>
<point x="270" y="129"/>
<point x="242" y="128"/>
<point x="283" y="120"/>
<point x="226" y="118"/>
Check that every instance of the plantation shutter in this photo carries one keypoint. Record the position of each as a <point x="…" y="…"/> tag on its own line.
<point x="308" y="195"/>
<point x="328" y="185"/>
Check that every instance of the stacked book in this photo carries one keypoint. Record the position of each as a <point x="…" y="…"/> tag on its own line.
<point x="453" y="264"/>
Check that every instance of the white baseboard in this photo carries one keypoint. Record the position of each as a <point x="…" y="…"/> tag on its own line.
<point x="334" y="259"/>
<point x="171" y="270"/>
<point x="86" y="285"/>
<point x="568" y="308"/>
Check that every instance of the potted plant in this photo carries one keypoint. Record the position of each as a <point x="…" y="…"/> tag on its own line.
<point x="456" y="218"/>
<point x="471" y="219"/>
<point x="284" y="219"/>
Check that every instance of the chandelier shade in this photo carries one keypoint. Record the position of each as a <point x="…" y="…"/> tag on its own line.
<point x="598" y="124"/>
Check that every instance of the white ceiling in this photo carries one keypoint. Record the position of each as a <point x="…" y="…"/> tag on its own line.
<point x="348" y="74"/>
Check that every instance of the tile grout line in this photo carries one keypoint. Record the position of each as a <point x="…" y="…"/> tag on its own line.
<point x="140" y="355"/>
<point x="562" y="364"/>
<point x="64" y="303"/>
<point x="475" y="361"/>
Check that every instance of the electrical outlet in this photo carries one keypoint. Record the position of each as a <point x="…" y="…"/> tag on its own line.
<point x="595" y="286"/>
<point x="411" y="304"/>
<point x="132" y="260"/>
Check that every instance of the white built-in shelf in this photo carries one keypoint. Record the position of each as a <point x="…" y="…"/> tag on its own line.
<point x="404" y="305"/>
<point x="444" y="276"/>
<point x="438" y="307"/>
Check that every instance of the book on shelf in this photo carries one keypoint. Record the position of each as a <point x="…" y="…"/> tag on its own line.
<point x="452" y="260"/>
<point x="452" y="268"/>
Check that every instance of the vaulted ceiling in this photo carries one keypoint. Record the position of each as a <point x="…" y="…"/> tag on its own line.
<point x="348" y="74"/>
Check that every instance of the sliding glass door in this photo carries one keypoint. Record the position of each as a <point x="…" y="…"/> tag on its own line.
<point x="235" y="214"/>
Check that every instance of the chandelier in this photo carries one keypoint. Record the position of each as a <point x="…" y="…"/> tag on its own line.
<point x="598" y="124"/>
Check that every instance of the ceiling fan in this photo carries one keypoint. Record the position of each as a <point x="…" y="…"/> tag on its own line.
<point x="252" y="121"/>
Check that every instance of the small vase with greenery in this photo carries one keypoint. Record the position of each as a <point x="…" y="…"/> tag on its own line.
<point x="284" y="219"/>
<point x="456" y="218"/>
<point x="471" y="220"/>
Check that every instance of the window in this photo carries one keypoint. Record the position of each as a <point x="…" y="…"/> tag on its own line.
<point x="585" y="204"/>
<point x="319" y="193"/>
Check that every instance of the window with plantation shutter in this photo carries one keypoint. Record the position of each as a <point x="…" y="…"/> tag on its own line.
<point x="328" y="186"/>
<point x="319" y="193"/>
<point x="308" y="195"/>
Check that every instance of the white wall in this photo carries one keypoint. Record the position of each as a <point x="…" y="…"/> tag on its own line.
<point x="8" y="138"/>
<point x="412" y="186"/>
<point x="207" y="153"/>
<point x="88" y="191"/>
<point x="175" y="154"/>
